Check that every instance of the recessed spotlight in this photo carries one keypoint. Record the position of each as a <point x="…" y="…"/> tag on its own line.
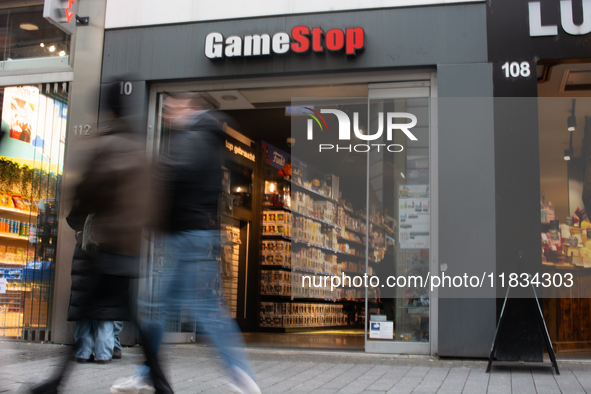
<point x="28" y="26"/>
<point x="229" y="97"/>
<point x="42" y="45"/>
<point x="62" y="53"/>
<point x="52" y="48"/>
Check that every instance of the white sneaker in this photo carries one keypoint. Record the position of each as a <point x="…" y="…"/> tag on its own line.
<point x="134" y="385"/>
<point x="243" y="383"/>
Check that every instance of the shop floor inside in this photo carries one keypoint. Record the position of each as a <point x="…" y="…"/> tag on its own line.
<point x="338" y="339"/>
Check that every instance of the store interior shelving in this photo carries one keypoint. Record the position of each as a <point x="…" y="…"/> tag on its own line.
<point x="317" y="231"/>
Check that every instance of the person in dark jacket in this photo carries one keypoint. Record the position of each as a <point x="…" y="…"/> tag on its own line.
<point x="191" y="184"/>
<point x="96" y="301"/>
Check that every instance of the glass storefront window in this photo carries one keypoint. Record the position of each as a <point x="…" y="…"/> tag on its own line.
<point x="399" y="220"/>
<point x="31" y="165"/>
<point x="370" y="254"/>
<point x="26" y="34"/>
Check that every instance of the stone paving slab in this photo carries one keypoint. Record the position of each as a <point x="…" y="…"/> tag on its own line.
<point x="198" y="369"/>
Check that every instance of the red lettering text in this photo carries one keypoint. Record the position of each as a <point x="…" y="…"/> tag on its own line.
<point x="335" y="40"/>
<point x="317" y="34"/>
<point x="300" y="36"/>
<point x="354" y="40"/>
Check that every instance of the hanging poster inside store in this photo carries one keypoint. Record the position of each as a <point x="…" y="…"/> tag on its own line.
<point x="19" y="111"/>
<point x="275" y="157"/>
<point x="414" y="216"/>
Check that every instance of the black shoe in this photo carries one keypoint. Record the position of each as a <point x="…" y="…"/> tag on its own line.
<point x="103" y="361"/>
<point x="47" y="387"/>
<point x="85" y="360"/>
<point x="117" y="353"/>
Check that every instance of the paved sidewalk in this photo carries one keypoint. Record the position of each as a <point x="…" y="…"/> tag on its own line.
<point x="197" y="369"/>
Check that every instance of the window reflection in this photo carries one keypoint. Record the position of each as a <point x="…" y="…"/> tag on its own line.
<point x="24" y="33"/>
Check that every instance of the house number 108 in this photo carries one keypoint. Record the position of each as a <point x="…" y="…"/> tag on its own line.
<point x="515" y="69"/>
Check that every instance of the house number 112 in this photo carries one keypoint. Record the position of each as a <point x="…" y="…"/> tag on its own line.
<point x="82" y="129"/>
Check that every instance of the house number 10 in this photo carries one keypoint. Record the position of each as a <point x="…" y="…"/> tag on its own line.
<point x="125" y="88"/>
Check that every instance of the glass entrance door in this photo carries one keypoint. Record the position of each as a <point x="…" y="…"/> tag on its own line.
<point x="398" y="249"/>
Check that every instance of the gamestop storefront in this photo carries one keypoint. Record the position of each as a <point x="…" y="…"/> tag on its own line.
<point x="357" y="148"/>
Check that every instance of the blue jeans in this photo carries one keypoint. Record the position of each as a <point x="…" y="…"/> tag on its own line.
<point x="88" y="340"/>
<point x="118" y="327"/>
<point x="190" y="284"/>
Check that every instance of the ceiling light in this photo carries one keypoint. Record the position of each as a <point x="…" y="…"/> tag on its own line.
<point x="402" y="175"/>
<point x="572" y="123"/>
<point x="229" y="97"/>
<point x="52" y="48"/>
<point x="42" y="45"/>
<point x="28" y="26"/>
<point x="567" y="154"/>
<point x="62" y="53"/>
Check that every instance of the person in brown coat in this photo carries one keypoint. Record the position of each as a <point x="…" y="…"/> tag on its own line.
<point x="114" y="196"/>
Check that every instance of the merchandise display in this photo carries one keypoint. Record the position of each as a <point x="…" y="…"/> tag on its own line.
<point x="301" y="315"/>
<point x="276" y="253"/>
<point x="310" y="236"/>
<point x="18" y="218"/>
<point x="567" y="244"/>
<point x="277" y="223"/>
<point x="229" y="268"/>
<point x="27" y="239"/>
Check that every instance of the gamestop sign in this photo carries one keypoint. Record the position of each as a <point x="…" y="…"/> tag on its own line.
<point x="302" y="40"/>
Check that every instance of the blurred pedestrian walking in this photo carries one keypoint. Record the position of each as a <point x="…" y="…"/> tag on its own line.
<point x="113" y="199"/>
<point x="190" y="182"/>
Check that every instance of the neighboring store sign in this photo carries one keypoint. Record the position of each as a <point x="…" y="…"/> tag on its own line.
<point x="537" y="30"/>
<point x="567" y="19"/>
<point x="302" y="40"/>
<point x="61" y="13"/>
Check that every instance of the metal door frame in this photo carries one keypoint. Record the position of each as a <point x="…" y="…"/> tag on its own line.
<point x="377" y="81"/>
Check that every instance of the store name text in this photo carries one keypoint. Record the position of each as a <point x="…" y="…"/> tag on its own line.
<point x="302" y="40"/>
<point x="536" y="29"/>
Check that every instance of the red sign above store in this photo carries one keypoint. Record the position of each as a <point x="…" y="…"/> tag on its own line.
<point x="302" y="40"/>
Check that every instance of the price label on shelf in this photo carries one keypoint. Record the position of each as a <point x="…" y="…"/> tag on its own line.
<point x="2" y="285"/>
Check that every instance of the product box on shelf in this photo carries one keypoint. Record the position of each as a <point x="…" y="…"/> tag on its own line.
<point x="276" y="223"/>
<point x="547" y="212"/>
<point x="276" y="253"/>
<point x="332" y="181"/>
<point x="301" y="315"/>
<point x="276" y="283"/>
